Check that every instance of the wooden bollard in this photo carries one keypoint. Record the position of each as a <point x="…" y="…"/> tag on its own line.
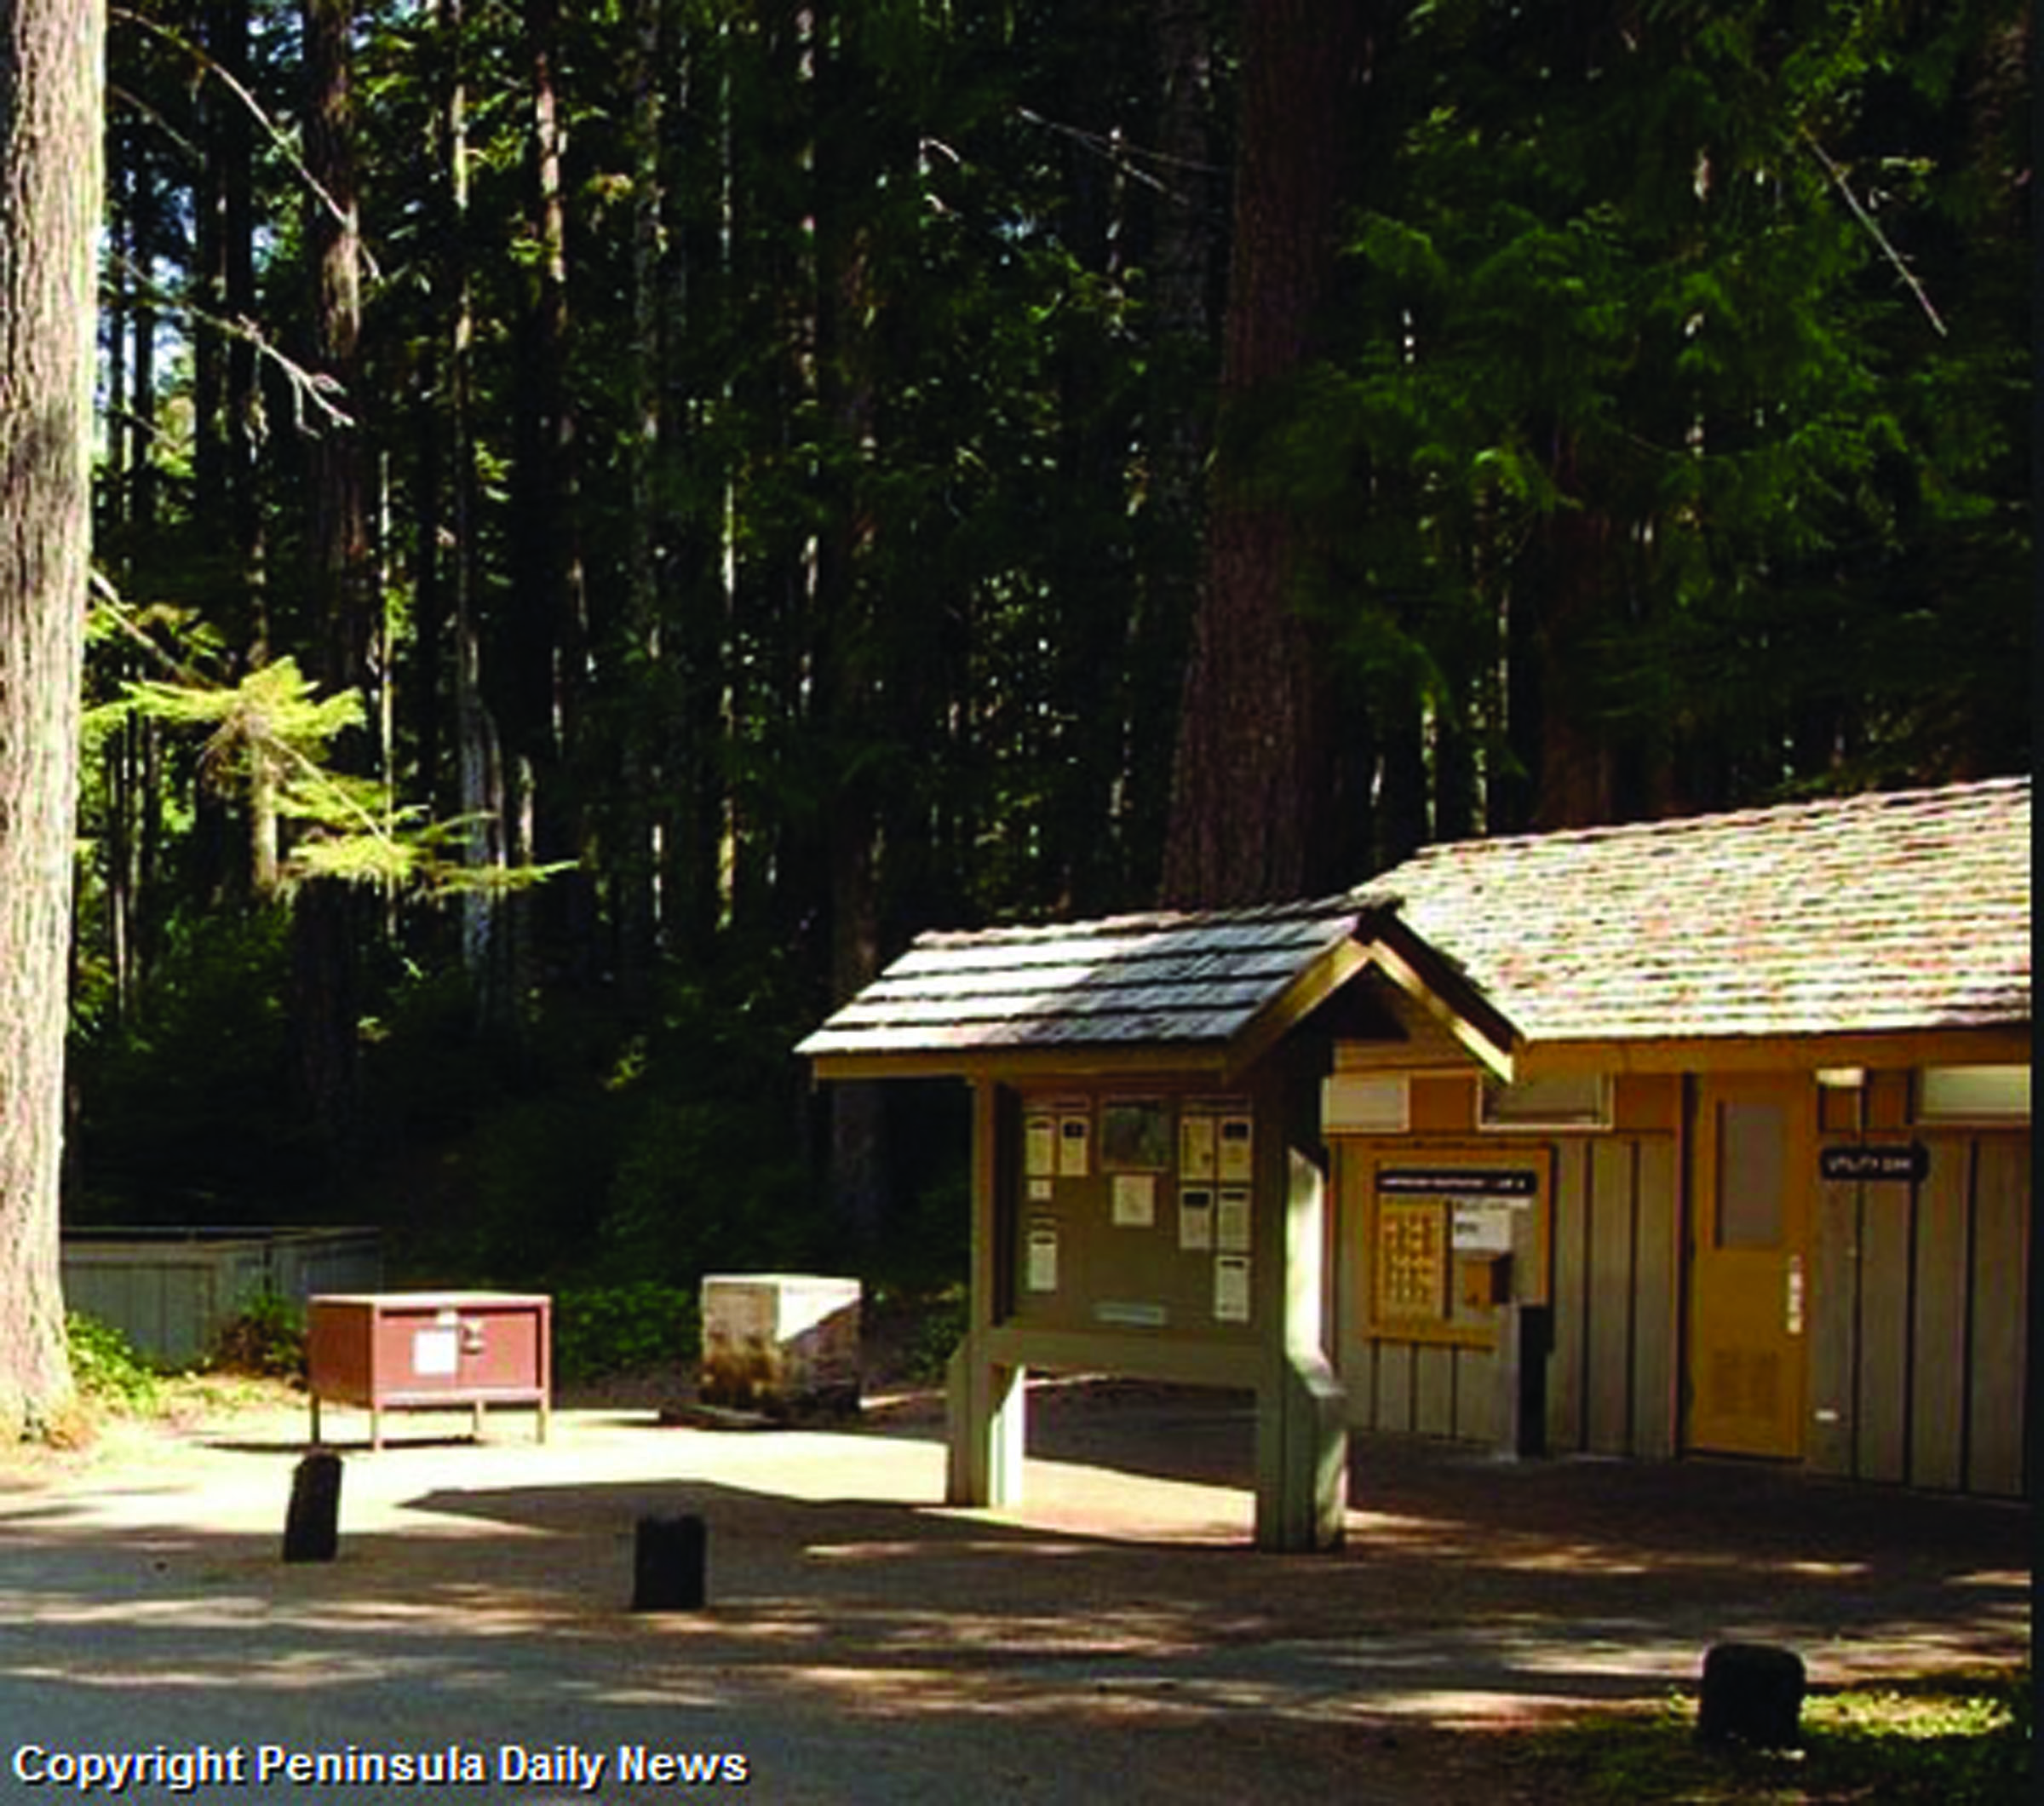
<point x="668" y="1564"/>
<point x="312" y="1525"/>
<point x="1753" y="1694"/>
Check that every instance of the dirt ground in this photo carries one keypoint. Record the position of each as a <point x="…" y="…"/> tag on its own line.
<point x="1112" y="1638"/>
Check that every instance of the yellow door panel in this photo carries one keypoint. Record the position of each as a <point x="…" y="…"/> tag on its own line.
<point x="1751" y="1173"/>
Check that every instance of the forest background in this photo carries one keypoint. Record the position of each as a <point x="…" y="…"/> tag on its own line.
<point x="610" y="518"/>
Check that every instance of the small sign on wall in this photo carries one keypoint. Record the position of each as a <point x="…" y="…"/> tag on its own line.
<point x="1482" y="1227"/>
<point x="1909" y="1164"/>
<point x="1458" y="1182"/>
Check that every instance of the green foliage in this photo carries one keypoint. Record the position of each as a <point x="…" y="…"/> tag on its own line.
<point x="639" y="1328"/>
<point x="265" y="1340"/>
<point x="940" y="1326"/>
<point x="271" y="744"/>
<point x="712" y="1169"/>
<point x="884" y="515"/>
<point x="1633" y="379"/>
<point x="1941" y="1741"/>
<point x="600" y="1150"/>
<point x="106" y="1368"/>
<point x="184" y="1110"/>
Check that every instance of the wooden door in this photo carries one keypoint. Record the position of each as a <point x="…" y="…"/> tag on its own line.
<point x="1752" y="1175"/>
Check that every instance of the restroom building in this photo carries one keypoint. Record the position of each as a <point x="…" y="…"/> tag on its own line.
<point x="1707" y="1137"/>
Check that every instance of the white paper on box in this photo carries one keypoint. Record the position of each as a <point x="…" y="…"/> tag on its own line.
<point x="437" y="1352"/>
<point x="1196" y="1147"/>
<point x="1196" y="1219"/>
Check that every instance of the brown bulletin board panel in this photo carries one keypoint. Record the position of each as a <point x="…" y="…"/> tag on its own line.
<point x="1433" y="1217"/>
<point x="1140" y="1209"/>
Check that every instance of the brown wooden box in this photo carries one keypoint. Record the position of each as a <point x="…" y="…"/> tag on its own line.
<point x="429" y="1351"/>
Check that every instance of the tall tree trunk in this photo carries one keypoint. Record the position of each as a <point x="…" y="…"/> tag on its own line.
<point x="325" y="923"/>
<point x="847" y="169"/>
<point x="695" y="596"/>
<point x="1254" y="778"/>
<point x="634" y="854"/>
<point x="1569" y="569"/>
<point x="50" y="86"/>
<point x="1184" y="258"/>
<point x="548" y="652"/>
<point x="143" y="235"/>
<point x="459" y="752"/>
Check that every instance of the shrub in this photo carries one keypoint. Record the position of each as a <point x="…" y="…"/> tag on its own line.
<point x="599" y="1330"/>
<point x="106" y="1368"/>
<point x="939" y="1331"/>
<point x="265" y="1341"/>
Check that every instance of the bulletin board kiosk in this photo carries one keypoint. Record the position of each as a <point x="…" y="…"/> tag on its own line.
<point x="1150" y="1188"/>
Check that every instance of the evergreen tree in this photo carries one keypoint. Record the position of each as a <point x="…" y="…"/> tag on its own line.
<point x="50" y="88"/>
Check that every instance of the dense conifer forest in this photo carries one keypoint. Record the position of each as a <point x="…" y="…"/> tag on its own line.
<point x="609" y="518"/>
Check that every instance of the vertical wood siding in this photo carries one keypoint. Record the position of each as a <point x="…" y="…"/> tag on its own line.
<point x="1612" y="1369"/>
<point x="1567" y="1360"/>
<point x="1997" y="1341"/>
<point x="1657" y="1311"/>
<point x="1921" y="1313"/>
<point x="1937" y="1326"/>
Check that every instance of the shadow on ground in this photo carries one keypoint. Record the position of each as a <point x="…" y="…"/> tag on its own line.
<point x="1111" y="1637"/>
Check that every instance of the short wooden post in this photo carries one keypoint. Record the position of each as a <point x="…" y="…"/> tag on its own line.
<point x="668" y="1565"/>
<point x="1753" y="1694"/>
<point x="312" y="1523"/>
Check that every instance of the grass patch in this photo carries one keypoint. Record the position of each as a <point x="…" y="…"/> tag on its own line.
<point x="1947" y="1741"/>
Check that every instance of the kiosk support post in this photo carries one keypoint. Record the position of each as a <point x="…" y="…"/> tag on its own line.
<point x="985" y="1401"/>
<point x="987" y="1406"/>
<point x="1301" y="1406"/>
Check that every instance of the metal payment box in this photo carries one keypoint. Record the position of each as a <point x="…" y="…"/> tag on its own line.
<point x="429" y="1351"/>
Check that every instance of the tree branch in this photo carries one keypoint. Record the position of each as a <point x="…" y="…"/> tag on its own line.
<point x="210" y="64"/>
<point x="1866" y="219"/>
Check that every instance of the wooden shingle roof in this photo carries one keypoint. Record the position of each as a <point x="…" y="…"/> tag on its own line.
<point x="1174" y="982"/>
<point x="1902" y="911"/>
